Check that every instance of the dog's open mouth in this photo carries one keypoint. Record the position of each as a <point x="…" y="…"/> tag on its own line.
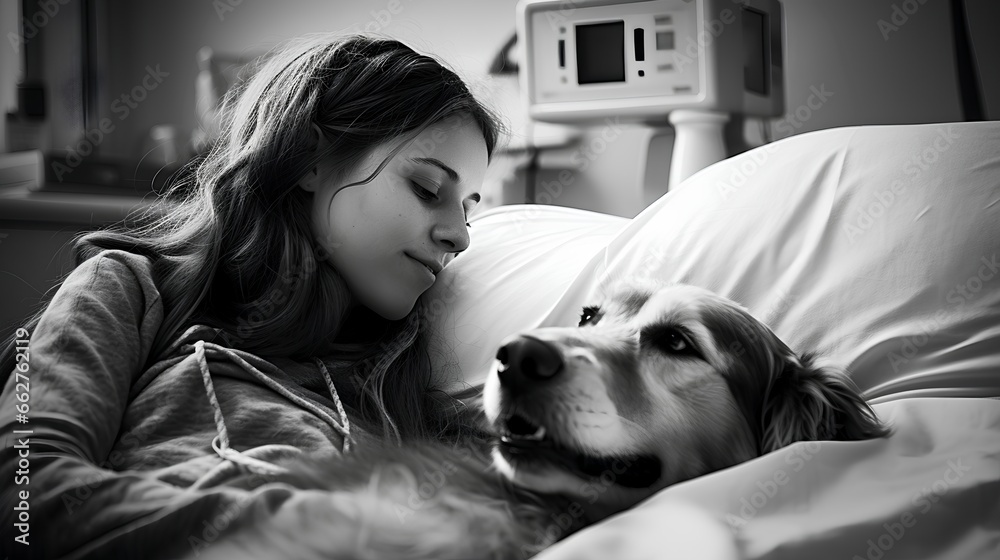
<point x="523" y="440"/>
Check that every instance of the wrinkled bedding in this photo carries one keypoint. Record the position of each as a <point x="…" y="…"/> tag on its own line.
<point x="877" y="248"/>
<point x="930" y="491"/>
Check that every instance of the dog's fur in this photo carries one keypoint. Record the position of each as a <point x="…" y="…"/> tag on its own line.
<point x="419" y="501"/>
<point x="657" y="384"/>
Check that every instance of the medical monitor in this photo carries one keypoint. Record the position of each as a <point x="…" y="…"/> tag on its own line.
<point x="585" y="60"/>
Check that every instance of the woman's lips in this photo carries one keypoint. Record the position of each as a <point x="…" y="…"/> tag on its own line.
<point x="424" y="267"/>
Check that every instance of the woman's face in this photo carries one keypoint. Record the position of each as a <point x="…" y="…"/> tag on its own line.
<point x="380" y="235"/>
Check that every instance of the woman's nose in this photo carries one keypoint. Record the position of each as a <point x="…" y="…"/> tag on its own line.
<point x="452" y="234"/>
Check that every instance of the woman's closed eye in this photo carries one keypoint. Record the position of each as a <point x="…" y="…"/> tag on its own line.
<point x="428" y="195"/>
<point x="422" y="192"/>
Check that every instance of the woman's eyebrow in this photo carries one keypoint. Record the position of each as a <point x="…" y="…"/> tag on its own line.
<point x="452" y="174"/>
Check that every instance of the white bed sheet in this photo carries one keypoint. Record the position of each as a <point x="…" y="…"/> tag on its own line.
<point x="877" y="248"/>
<point x="930" y="492"/>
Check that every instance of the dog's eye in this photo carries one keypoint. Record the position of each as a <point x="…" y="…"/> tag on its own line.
<point x="677" y="343"/>
<point x="588" y="315"/>
<point x="671" y="340"/>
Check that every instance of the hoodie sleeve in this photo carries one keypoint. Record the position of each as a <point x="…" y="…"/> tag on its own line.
<point x="60" y="498"/>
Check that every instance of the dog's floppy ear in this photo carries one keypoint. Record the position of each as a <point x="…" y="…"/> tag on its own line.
<point x="804" y="402"/>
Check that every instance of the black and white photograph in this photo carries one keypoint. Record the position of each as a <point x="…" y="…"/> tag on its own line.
<point x="500" y="279"/>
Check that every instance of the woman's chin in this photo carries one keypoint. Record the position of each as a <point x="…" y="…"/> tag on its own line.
<point x="394" y="310"/>
<point x="398" y="315"/>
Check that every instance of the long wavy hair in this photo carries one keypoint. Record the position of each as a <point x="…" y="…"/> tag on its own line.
<point x="230" y="240"/>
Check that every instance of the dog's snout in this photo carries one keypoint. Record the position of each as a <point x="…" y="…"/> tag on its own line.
<point x="525" y="359"/>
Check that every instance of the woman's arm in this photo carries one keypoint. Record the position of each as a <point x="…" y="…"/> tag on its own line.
<point x="87" y="350"/>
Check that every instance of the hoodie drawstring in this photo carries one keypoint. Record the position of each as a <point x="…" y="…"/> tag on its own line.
<point x="221" y="441"/>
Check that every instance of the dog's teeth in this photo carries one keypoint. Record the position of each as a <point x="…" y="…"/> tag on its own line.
<point x="538" y="435"/>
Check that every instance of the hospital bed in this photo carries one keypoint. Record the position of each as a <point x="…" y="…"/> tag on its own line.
<point x="876" y="247"/>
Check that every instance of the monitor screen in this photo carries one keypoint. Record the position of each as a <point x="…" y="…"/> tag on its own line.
<point x="600" y="52"/>
<point x="755" y="52"/>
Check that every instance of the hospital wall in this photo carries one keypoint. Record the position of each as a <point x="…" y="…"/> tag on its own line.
<point x="848" y="62"/>
<point x="8" y="68"/>
<point x="464" y="33"/>
<point x="876" y="75"/>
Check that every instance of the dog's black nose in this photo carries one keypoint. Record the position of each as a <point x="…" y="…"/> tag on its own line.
<point x="525" y="359"/>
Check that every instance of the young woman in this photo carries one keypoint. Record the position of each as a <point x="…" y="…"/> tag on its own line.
<point x="271" y="307"/>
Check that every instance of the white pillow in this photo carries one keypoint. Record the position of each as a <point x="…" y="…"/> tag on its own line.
<point x="877" y="247"/>
<point x="520" y="264"/>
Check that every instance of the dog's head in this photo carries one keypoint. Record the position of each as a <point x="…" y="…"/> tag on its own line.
<point x="657" y="384"/>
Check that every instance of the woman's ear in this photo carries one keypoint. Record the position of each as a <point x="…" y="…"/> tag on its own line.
<point x="311" y="180"/>
<point x="809" y="403"/>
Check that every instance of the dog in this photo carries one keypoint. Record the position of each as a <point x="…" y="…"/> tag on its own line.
<point x="658" y="383"/>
